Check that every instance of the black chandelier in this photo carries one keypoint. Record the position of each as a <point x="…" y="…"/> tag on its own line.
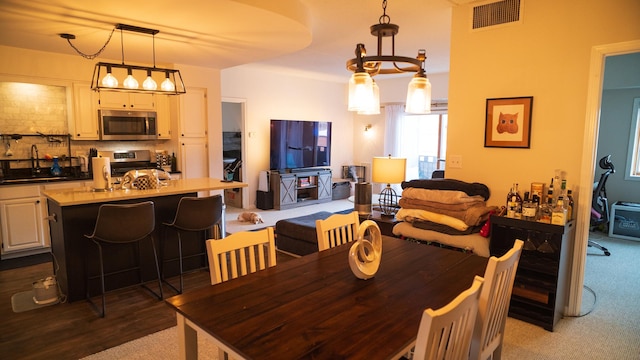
<point x="363" y="91"/>
<point x="105" y="75"/>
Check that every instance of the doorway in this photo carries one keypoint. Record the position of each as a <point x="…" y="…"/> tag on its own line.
<point x="232" y="149"/>
<point x="589" y="159"/>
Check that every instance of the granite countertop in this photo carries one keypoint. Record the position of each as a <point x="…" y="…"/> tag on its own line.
<point x="86" y="195"/>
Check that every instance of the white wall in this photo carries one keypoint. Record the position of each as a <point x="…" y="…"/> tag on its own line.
<point x="273" y="95"/>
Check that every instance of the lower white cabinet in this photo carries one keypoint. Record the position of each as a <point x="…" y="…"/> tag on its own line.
<point x="25" y="228"/>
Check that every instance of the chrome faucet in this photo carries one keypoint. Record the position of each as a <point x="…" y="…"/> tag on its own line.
<point x="35" y="165"/>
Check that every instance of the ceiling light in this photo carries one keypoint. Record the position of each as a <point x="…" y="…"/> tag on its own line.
<point x="172" y="85"/>
<point x="361" y="95"/>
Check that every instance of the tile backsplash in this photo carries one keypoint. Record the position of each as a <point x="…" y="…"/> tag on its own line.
<point x="31" y="108"/>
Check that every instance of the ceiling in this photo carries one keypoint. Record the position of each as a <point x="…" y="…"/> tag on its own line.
<point x="316" y="36"/>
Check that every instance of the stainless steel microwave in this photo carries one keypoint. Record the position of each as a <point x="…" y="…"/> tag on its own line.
<point x="128" y="125"/>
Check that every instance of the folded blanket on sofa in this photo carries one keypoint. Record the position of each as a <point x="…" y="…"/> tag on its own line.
<point x="410" y="215"/>
<point x="441" y="228"/>
<point x="445" y="197"/>
<point x="472" y="216"/>
<point x="449" y="184"/>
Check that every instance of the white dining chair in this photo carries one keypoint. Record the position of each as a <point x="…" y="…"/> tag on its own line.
<point x="446" y="333"/>
<point x="494" y="302"/>
<point x="336" y="230"/>
<point x="241" y="253"/>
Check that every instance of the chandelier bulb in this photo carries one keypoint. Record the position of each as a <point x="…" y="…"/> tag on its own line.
<point x="149" y="83"/>
<point x="130" y="82"/>
<point x="167" y="84"/>
<point x="109" y="80"/>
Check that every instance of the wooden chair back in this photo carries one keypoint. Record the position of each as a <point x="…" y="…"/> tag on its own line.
<point x="336" y="230"/>
<point x="494" y="302"/>
<point x="446" y="333"/>
<point x="241" y="253"/>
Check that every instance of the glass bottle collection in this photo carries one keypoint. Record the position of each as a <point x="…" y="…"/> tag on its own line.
<point x="556" y="208"/>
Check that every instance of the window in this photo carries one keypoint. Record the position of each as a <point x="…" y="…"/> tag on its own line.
<point x="423" y="144"/>
<point x="633" y="155"/>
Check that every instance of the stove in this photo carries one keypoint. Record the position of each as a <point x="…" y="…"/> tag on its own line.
<point x="122" y="161"/>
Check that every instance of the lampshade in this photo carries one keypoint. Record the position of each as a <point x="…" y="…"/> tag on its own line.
<point x="388" y="170"/>
<point x="361" y="97"/>
<point x="375" y="107"/>
<point x="419" y="95"/>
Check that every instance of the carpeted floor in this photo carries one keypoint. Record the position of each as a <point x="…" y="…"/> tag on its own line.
<point x="609" y="329"/>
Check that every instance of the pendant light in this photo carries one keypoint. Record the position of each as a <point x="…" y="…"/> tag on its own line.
<point x="172" y="85"/>
<point x="419" y="89"/>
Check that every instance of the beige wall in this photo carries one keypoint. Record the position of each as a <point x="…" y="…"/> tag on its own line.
<point x="546" y="56"/>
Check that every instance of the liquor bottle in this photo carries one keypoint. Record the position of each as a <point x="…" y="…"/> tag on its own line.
<point x="509" y="194"/>
<point x="174" y="162"/>
<point x="550" y="193"/>
<point x="569" y="205"/>
<point x="559" y="214"/>
<point x="546" y="209"/>
<point x="529" y="208"/>
<point x="518" y="204"/>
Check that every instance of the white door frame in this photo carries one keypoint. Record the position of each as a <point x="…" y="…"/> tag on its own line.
<point x="243" y="168"/>
<point x="589" y="153"/>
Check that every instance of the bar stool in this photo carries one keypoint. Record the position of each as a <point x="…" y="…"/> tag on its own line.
<point x="194" y="214"/>
<point x="119" y="225"/>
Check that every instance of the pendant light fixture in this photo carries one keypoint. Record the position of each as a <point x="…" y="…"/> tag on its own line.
<point x="105" y="75"/>
<point x="362" y="96"/>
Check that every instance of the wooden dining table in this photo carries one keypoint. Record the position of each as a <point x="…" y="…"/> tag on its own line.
<point x="314" y="307"/>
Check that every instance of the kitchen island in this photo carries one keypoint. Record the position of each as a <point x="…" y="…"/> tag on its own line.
<point x="73" y="212"/>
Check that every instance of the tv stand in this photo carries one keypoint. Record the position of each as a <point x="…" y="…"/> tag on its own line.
<point x="300" y="187"/>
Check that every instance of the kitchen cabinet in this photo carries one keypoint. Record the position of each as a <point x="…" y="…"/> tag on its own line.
<point x="129" y="101"/>
<point x="193" y="113"/>
<point x="301" y="187"/>
<point x="194" y="149"/>
<point x="163" y="119"/>
<point x="84" y="123"/>
<point x="25" y="228"/>
<point x="540" y="288"/>
<point x="194" y="161"/>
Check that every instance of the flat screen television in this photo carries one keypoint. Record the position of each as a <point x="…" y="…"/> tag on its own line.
<point x="299" y="144"/>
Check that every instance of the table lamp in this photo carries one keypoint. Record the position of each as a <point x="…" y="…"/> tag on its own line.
<point x="390" y="171"/>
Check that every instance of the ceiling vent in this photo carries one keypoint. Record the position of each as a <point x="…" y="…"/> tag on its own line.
<point x="496" y="13"/>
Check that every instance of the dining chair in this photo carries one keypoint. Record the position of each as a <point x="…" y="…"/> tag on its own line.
<point x="241" y="253"/>
<point x="336" y="230"/>
<point x="194" y="214"/>
<point x="446" y="333"/>
<point x="120" y="225"/>
<point x="494" y="302"/>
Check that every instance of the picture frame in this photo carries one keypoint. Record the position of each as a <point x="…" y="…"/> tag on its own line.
<point x="508" y="122"/>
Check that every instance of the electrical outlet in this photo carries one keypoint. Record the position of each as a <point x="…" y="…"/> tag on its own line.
<point x="455" y="162"/>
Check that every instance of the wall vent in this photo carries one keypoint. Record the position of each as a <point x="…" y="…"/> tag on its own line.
<point x="496" y="13"/>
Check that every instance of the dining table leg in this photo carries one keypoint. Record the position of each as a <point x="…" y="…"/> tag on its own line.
<point x="187" y="339"/>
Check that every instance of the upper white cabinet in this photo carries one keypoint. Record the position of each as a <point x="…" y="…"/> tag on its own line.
<point x="128" y="101"/>
<point x="193" y="113"/>
<point x="84" y="124"/>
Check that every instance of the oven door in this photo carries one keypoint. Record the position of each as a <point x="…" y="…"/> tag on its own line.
<point x="127" y="125"/>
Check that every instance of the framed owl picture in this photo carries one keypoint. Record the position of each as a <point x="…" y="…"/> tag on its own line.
<point x="508" y="122"/>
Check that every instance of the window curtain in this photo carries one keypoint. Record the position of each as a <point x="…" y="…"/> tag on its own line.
<point x="394" y="115"/>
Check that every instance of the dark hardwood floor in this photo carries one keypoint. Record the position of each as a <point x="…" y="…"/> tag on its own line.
<point x="74" y="330"/>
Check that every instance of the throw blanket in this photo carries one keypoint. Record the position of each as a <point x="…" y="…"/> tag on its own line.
<point x="443" y="197"/>
<point x="430" y="225"/>
<point x="409" y="215"/>
<point x="472" y="214"/>
<point x="450" y="184"/>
